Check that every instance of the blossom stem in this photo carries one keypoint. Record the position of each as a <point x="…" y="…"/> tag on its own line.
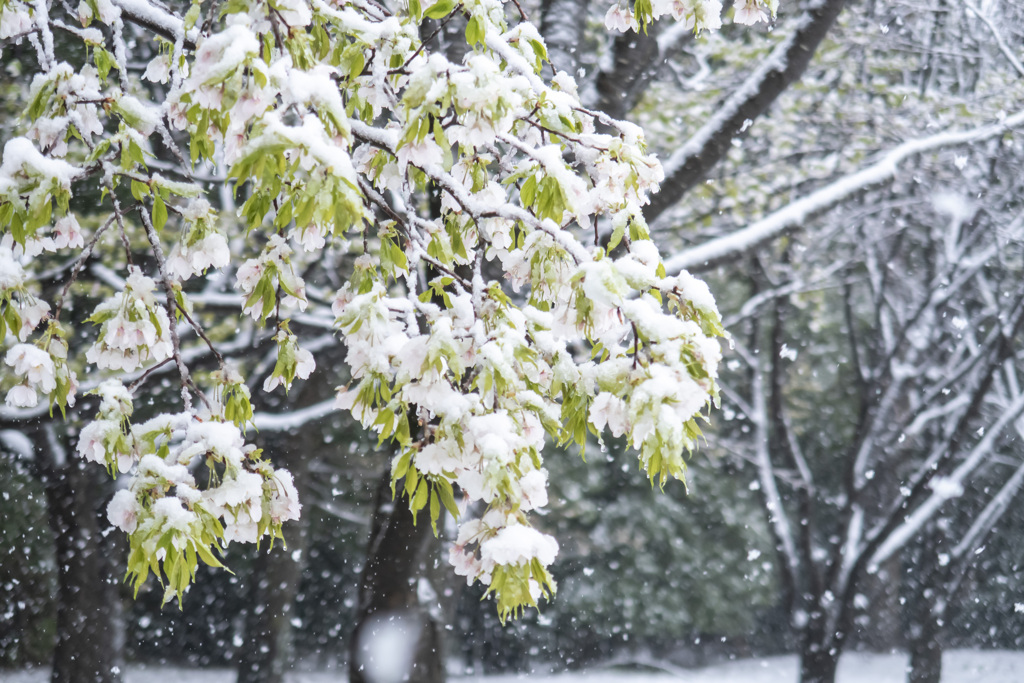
<point x="170" y="306"/>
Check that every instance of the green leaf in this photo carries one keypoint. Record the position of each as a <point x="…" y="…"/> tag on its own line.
<point x="159" y="213"/>
<point x="616" y="237"/>
<point x="539" y="49"/>
<point x="206" y="556"/>
<point x="440" y="9"/>
<point x="444" y="491"/>
<point x="528" y="192"/>
<point x="435" y="510"/>
<point x="135" y="153"/>
<point x="104" y="62"/>
<point x="399" y="467"/>
<point x="139" y="190"/>
<point x="644" y="12"/>
<point x="419" y="501"/>
<point x="411" y="479"/>
<point x="305" y="215"/>
<point x="41" y="100"/>
<point x="192" y="16"/>
<point x="475" y="30"/>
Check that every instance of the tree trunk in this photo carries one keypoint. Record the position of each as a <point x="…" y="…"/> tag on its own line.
<point x="878" y="626"/>
<point x="275" y="580"/>
<point x="276" y="574"/>
<point x="929" y="588"/>
<point x="925" y="654"/>
<point x="90" y="627"/>
<point x="924" y="631"/>
<point x="819" y="651"/>
<point x="563" y="32"/>
<point x="396" y="637"/>
<point x="818" y="665"/>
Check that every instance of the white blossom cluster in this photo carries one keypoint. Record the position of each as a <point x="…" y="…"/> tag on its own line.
<point x="163" y="510"/>
<point x="38" y="371"/>
<point x="134" y="327"/>
<point x="476" y="332"/>
<point x="202" y="247"/>
<point x="22" y="310"/>
<point x="699" y="15"/>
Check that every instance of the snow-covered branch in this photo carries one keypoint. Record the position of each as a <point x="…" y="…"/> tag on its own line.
<point x="778" y="517"/>
<point x="946" y="487"/>
<point x="692" y="161"/>
<point x="293" y="419"/>
<point x="799" y="212"/>
<point x="158" y="20"/>
<point x="997" y="35"/>
<point x="990" y="516"/>
<point x="330" y="124"/>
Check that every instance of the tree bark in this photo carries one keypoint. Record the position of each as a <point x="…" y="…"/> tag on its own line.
<point x="389" y="599"/>
<point x="925" y="652"/>
<point x="90" y="628"/>
<point x="276" y="575"/>
<point x="818" y="665"/>
<point x="878" y="627"/>
<point x="923" y="629"/>
<point x="275" y="582"/>
<point x="822" y="640"/>
<point x="635" y="60"/>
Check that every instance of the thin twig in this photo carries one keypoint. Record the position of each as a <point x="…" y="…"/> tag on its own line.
<point x="202" y="335"/>
<point x="145" y="375"/>
<point x="170" y="305"/>
<point x="79" y="264"/>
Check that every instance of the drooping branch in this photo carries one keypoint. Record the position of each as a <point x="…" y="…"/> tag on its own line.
<point x="300" y="156"/>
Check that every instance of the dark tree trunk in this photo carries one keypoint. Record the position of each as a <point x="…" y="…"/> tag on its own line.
<point x="90" y="626"/>
<point x="276" y="575"/>
<point x="819" y="649"/>
<point x="563" y="32"/>
<point x="818" y="665"/>
<point x="275" y="581"/>
<point x="389" y="599"/>
<point x="929" y="583"/>
<point x="635" y="61"/>
<point x="878" y="627"/>
<point x="925" y="652"/>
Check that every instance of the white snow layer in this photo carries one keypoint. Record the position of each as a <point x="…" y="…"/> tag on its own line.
<point x="959" y="666"/>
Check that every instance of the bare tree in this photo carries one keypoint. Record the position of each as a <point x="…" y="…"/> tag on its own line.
<point x="927" y="302"/>
<point x="876" y="314"/>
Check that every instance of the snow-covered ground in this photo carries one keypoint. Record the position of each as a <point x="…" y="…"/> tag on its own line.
<point x="959" y="666"/>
